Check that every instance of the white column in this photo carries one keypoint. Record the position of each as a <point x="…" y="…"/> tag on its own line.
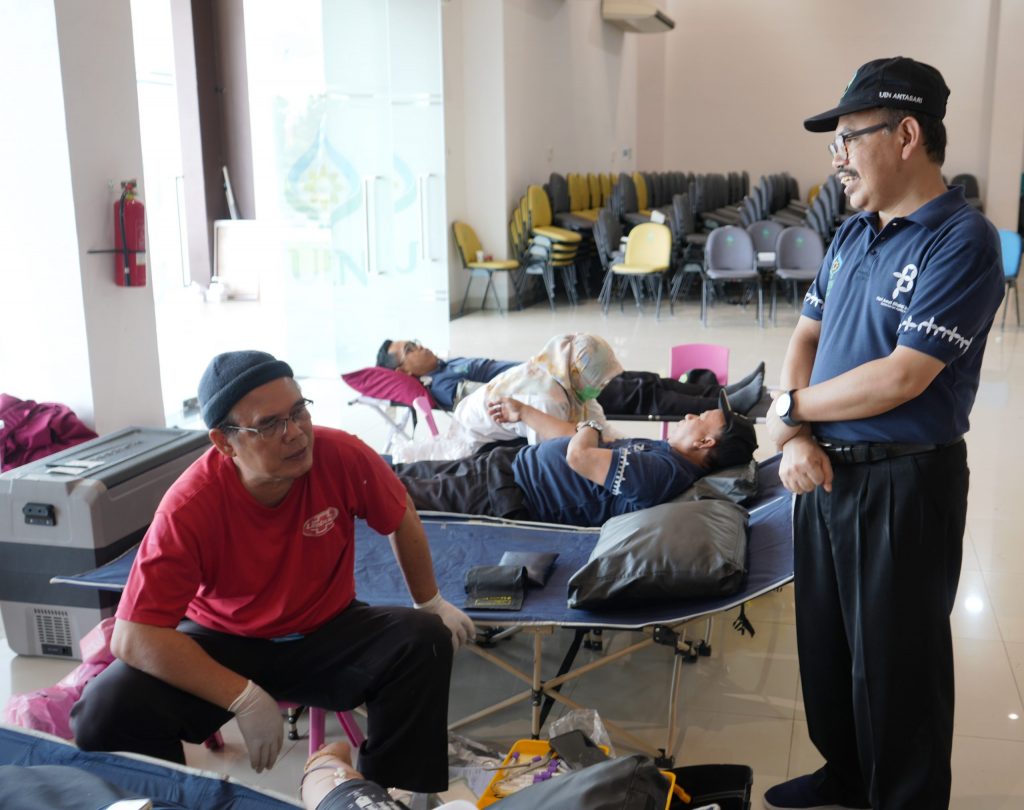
<point x="1006" y="133"/>
<point x="69" y="333"/>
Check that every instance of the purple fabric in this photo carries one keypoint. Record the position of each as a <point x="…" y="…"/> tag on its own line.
<point x="33" y="430"/>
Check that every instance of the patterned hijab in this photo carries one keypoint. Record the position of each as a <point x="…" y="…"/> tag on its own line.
<point x="574" y="366"/>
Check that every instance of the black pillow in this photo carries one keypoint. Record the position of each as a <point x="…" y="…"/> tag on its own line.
<point x="672" y="551"/>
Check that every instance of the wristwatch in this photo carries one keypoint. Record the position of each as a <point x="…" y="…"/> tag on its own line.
<point x="784" y="407"/>
<point x="590" y="423"/>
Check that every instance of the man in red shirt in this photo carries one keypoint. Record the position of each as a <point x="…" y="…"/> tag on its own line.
<point x="253" y="545"/>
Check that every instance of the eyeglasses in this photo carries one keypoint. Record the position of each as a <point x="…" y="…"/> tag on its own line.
<point x="276" y="428"/>
<point x="409" y="347"/>
<point x="839" y="148"/>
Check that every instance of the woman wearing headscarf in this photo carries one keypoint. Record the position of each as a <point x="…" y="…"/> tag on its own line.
<point x="560" y="383"/>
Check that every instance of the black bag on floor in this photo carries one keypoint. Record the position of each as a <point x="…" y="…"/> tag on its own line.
<point x="623" y="783"/>
<point x="728" y="786"/>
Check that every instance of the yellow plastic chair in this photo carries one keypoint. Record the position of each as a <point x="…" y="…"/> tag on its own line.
<point x="642" y="198"/>
<point x="648" y="255"/>
<point x="469" y="249"/>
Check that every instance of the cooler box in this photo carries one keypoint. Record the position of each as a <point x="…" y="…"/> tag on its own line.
<point x="73" y="511"/>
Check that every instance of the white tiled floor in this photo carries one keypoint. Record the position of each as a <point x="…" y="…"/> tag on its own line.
<point x="743" y="703"/>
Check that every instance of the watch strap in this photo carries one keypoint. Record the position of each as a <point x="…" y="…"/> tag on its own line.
<point x="785" y="416"/>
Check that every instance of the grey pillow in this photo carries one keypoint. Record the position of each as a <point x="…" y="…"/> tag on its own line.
<point x="672" y="551"/>
<point x="735" y="484"/>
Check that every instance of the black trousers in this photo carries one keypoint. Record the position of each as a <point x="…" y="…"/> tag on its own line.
<point x="395" y="660"/>
<point x="481" y="484"/>
<point x="644" y="392"/>
<point x="877" y="567"/>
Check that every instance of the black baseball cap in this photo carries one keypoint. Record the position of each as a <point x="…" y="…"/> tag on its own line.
<point x="737" y="441"/>
<point x="896" y="82"/>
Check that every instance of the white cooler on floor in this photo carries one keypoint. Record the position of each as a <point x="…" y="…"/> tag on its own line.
<point x="71" y="512"/>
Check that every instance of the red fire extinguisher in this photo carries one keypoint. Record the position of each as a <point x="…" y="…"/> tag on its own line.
<point x="129" y="238"/>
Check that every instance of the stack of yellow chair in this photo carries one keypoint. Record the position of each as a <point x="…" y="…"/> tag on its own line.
<point x="563" y="245"/>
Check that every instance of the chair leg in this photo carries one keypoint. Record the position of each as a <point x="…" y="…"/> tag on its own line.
<point x="775" y="285"/>
<point x="1016" y="302"/>
<point x="351" y="729"/>
<point x="465" y="296"/>
<point x="317" y="718"/>
<point x="704" y="301"/>
<point x="494" y="292"/>
<point x="513" y="283"/>
<point x="760" y="304"/>
<point x="606" y="290"/>
<point x="549" y="283"/>
<point x="657" y="300"/>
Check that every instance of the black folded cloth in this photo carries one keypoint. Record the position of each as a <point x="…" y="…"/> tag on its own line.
<point x="538" y="564"/>
<point x="495" y="587"/>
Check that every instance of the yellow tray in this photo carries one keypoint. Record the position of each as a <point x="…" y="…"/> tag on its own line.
<point x="535" y="748"/>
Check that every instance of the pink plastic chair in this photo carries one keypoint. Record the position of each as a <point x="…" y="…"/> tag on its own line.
<point x="317" y="725"/>
<point x="687" y="356"/>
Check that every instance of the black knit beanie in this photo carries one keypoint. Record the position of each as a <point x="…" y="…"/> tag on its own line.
<point x="232" y="375"/>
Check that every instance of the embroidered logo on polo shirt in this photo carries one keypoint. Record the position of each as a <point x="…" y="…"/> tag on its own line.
<point x="904" y="280"/>
<point x="837" y="262"/>
<point x="320" y="523"/>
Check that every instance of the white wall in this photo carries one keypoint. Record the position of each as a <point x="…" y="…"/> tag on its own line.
<point x="741" y="75"/>
<point x="1007" y="121"/>
<point x="570" y="92"/>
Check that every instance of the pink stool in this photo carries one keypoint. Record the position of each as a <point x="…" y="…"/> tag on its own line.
<point x="317" y="725"/>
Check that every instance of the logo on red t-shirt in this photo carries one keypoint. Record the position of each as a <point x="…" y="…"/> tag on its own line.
<point x="320" y="523"/>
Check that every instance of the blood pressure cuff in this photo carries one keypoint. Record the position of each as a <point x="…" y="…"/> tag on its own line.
<point x="495" y="587"/>
<point x="538" y="564"/>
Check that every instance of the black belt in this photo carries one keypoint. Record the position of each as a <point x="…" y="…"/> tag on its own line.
<point x="868" y="452"/>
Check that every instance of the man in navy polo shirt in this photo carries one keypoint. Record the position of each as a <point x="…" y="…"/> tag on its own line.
<point x="571" y="477"/>
<point x="880" y="377"/>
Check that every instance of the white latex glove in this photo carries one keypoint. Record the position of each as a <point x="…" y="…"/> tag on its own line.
<point x="259" y="718"/>
<point x="457" y="622"/>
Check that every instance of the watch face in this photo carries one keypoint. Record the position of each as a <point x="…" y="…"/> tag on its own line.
<point x="783" y="404"/>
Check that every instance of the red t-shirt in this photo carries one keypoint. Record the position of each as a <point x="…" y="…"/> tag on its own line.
<point x="216" y="555"/>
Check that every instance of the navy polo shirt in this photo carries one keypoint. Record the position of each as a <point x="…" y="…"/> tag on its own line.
<point x="642" y="474"/>
<point x="931" y="281"/>
<point x="445" y="379"/>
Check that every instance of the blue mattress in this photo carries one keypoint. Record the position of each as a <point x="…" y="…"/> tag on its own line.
<point x="458" y="543"/>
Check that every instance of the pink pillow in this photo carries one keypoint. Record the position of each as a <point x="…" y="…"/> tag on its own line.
<point x="386" y="383"/>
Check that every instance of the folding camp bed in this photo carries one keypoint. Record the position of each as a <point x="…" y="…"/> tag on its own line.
<point x="460" y="542"/>
<point x="169" y="786"/>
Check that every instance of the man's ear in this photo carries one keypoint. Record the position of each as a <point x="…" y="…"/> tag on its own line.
<point x="706" y="442"/>
<point x="221" y="442"/>
<point x="911" y="138"/>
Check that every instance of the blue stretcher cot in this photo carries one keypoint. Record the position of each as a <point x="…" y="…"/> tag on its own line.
<point x="459" y="542"/>
<point x="169" y="786"/>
